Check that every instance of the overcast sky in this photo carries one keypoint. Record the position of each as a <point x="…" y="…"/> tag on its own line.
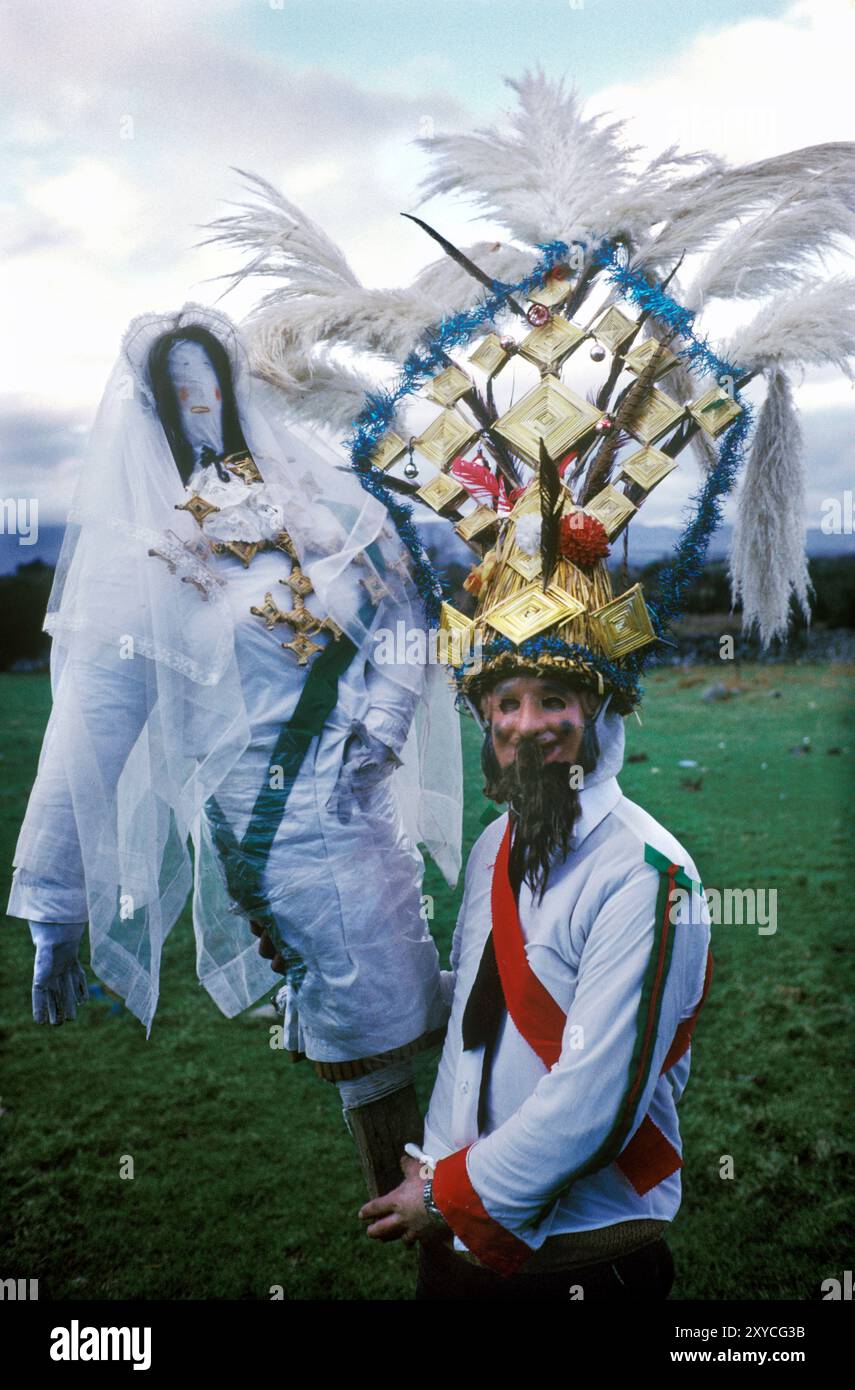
<point x="120" y="122"/>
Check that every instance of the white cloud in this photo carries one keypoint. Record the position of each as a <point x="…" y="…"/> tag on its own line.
<point x="102" y="208"/>
<point x="105" y="225"/>
<point x="751" y="89"/>
<point x="122" y="127"/>
<point x="748" y="91"/>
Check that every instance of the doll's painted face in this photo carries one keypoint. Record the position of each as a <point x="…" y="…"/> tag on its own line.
<point x="197" y="390"/>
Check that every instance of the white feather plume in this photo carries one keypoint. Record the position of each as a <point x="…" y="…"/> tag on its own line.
<point x="813" y="327"/>
<point x="314" y="387"/>
<point x="555" y="173"/>
<point x="698" y="209"/>
<point x="768" y="565"/>
<point x="283" y="240"/>
<point x="768" y="252"/>
<point x="322" y="300"/>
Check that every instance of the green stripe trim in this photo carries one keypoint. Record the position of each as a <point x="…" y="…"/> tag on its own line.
<point x="318" y="699"/>
<point x="244" y="861"/>
<point x="662" y="863"/>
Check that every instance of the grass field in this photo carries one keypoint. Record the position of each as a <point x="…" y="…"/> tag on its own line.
<point x="245" y="1177"/>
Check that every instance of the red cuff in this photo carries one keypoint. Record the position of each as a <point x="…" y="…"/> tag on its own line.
<point x="465" y="1213"/>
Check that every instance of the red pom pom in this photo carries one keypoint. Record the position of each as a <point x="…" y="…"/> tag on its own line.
<point x="583" y="539"/>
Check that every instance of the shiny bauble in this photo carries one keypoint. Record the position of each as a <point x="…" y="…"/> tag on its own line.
<point x="537" y="315"/>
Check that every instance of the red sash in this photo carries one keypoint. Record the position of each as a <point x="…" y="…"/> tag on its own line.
<point x="529" y="1003"/>
<point x="649" y="1157"/>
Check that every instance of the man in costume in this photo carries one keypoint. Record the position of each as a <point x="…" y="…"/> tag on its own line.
<point x="576" y="1140"/>
<point x="215" y="678"/>
<point x="551" y="1146"/>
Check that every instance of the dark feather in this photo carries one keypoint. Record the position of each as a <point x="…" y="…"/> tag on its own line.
<point x="550" y="513"/>
<point x="462" y="260"/>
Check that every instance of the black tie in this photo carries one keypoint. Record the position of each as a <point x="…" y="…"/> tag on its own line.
<point x="486" y="1002"/>
<point x="482" y="1017"/>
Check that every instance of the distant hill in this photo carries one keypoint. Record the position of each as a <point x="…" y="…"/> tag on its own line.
<point x="648" y="543"/>
<point x="46" y="549"/>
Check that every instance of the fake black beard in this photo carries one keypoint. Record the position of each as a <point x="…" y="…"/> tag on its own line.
<point x="544" y="808"/>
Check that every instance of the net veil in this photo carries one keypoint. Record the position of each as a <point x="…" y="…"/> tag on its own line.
<point x="149" y="710"/>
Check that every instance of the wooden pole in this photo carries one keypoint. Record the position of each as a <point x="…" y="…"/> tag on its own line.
<point x="380" y="1130"/>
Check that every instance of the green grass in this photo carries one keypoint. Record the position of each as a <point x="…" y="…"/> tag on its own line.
<point x="244" y="1174"/>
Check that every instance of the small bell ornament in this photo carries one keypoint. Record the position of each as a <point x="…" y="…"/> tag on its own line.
<point x="411" y="469"/>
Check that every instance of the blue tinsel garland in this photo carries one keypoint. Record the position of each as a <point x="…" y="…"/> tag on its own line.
<point x="378" y="413"/>
<point x="659" y="303"/>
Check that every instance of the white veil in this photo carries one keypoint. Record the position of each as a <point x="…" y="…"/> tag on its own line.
<point x="148" y="710"/>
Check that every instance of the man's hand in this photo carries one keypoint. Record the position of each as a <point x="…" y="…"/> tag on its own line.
<point x="401" y="1214"/>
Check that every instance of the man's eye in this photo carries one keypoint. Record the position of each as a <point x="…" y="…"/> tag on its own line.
<point x="554" y="702"/>
<point x="507" y="706"/>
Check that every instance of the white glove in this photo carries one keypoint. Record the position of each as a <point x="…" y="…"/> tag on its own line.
<point x="59" y="983"/>
<point x="366" y="762"/>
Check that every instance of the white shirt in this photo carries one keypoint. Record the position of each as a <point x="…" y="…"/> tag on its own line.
<point x="595" y="944"/>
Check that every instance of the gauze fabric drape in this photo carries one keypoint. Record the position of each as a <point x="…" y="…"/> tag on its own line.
<point x="170" y="699"/>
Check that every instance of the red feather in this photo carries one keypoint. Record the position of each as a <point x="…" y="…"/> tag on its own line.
<point x="480" y="482"/>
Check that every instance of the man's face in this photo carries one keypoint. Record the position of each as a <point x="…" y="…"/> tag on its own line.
<point x="539" y="708"/>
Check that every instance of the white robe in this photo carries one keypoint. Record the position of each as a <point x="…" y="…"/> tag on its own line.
<point x="345" y="896"/>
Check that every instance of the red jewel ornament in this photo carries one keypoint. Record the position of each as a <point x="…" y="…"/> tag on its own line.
<point x="508" y="344"/>
<point x="603" y="426"/>
<point x="583" y="539"/>
<point x="537" y="315"/>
